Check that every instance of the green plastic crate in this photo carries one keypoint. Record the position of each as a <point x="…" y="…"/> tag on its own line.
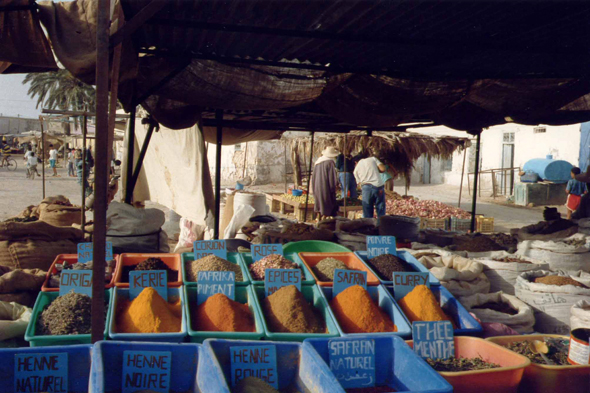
<point x="313" y="296"/>
<point x="45" y="298"/>
<point x="307" y="278"/>
<point x="244" y="295"/>
<point x="233" y="257"/>
<point x="314" y="246"/>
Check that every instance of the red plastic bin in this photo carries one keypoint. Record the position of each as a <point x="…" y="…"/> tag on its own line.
<point x="310" y="259"/>
<point x="73" y="258"/>
<point x="171" y="260"/>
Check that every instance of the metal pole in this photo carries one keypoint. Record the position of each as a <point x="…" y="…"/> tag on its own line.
<point x="475" y="180"/>
<point x="285" y="164"/>
<point x="219" y="120"/>
<point x="130" y="152"/>
<point x="309" y="177"/>
<point x="462" y="174"/>
<point x="42" y="155"/>
<point x="345" y="184"/>
<point x="245" y="158"/>
<point x="84" y="133"/>
<point x="142" y="153"/>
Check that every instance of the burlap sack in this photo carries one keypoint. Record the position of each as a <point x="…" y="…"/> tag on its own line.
<point x="61" y="216"/>
<point x="15" y="280"/>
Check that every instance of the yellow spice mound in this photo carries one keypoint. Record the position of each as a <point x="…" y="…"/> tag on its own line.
<point x="422" y="305"/>
<point x="148" y="313"/>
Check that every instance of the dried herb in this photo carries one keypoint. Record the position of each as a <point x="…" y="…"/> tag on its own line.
<point x="67" y="314"/>
<point x="211" y="263"/>
<point x="324" y="270"/>
<point x="460" y="364"/>
<point x="499" y="307"/>
<point x="386" y="264"/>
<point x="522" y="348"/>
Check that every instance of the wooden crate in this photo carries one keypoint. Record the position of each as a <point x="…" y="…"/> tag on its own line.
<point x="434" y="223"/>
<point x="485" y="224"/>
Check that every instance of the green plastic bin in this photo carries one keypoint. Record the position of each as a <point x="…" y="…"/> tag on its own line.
<point x="244" y="295"/>
<point x="307" y="278"/>
<point x="233" y="257"/>
<point x="314" y="246"/>
<point x="312" y="295"/>
<point x="44" y="299"/>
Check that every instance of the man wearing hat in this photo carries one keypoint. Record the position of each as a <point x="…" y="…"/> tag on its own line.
<point x="324" y="182"/>
<point x="583" y="210"/>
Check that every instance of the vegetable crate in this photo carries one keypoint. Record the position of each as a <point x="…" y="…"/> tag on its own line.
<point x="434" y="223"/>
<point x="460" y="224"/>
<point x="485" y="224"/>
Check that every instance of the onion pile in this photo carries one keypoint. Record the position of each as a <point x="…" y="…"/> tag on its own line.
<point x="423" y="209"/>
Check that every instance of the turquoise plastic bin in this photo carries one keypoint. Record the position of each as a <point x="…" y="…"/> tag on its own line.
<point x="151" y="337"/>
<point x="44" y="299"/>
<point x="295" y="367"/>
<point x="382" y="297"/>
<point x="313" y="296"/>
<point x="244" y="295"/>
<point x="233" y="257"/>
<point x="307" y="278"/>
<point x="79" y="359"/>
<point x="107" y="365"/>
<point x="406" y="256"/>
<point x="397" y="366"/>
<point x="313" y="246"/>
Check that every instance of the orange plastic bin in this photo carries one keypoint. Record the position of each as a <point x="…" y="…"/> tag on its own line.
<point x="310" y="259"/>
<point x="542" y="378"/>
<point x="171" y="260"/>
<point x="504" y="379"/>
<point x="71" y="259"/>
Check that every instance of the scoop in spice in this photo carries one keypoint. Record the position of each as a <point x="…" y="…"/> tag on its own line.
<point x="287" y="311"/>
<point x="272" y="261"/>
<point x="211" y="263"/>
<point x="324" y="270"/>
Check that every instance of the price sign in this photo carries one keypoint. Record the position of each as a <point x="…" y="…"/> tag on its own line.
<point x="434" y="340"/>
<point x="258" y="361"/>
<point x="140" y="279"/>
<point x="85" y="252"/>
<point x="347" y="278"/>
<point x="405" y="282"/>
<point x="379" y="245"/>
<point x="260" y="251"/>
<point x="41" y="372"/>
<point x="353" y="362"/>
<point x="146" y="370"/>
<point x="211" y="283"/>
<point x="202" y="248"/>
<point x="80" y="281"/>
<point x="275" y="279"/>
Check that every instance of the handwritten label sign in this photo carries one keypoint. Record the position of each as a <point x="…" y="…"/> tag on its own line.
<point x="80" y="281"/>
<point x="260" y="251"/>
<point x="143" y="370"/>
<point x="258" y="361"/>
<point x="379" y="245"/>
<point x="211" y="283"/>
<point x="433" y="340"/>
<point x="275" y="279"/>
<point x="347" y="278"/>
<point x="353" y="362"/>
<point x="85" y="252"/>
<point x="140" y="279"/>
<point x="202" y="248"/>
<point x="41" y="372"/>
<point x="405" y="282"/>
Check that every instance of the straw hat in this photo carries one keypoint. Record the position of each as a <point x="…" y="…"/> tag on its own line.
<point x="330" y="152"/>
<point x="584" y="177"/>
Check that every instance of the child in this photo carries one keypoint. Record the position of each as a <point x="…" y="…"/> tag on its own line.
<point x="32" y="166"/>
<point x="575" y="189"/>
<point x="53" y="160"/>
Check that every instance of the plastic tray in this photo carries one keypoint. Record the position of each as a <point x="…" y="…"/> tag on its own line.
<point x="107" y="364"/>
<point x="45" y="298"/>
<point x="171" y="260"/>
<point x="312" y="295"/>
<point x="151" y="337"/>
<point x="233" y="257"/>
<point x="383" y="298"/>
<point x="79" y="359"/>
<point x="311" y="259"/>
<point x="307" y="279"/>
<point x="406" y="256"/>
<point x="73" y="258"/>
<point x="397" y="365"/>
<point x="540" y="378"/>
<point x="244" y="295"/>
<point x="294" y="365"/>
<point x="313" y="246"/>
<point x="504" y="379"/>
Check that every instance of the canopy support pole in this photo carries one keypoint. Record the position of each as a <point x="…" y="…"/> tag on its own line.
<point x="309" y="177"/>
<point x="345" y="184"/>
<point x="130" y="152"/>
<point x="475" y="181"/>
<point x="42" y="154"/>
<point x="140" y="158"/>
<point x="218" y="120"/>
<point x="83" y="185"/>
<point x="462" y="174"/>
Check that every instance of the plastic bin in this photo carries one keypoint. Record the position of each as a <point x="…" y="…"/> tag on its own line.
<point x="434" y="223"/>
<point x="313" y="246"/>
<point x="244" y="295"/>
<point x="171" y="260"/>
<point x="310" y="259"/>
<point x="398" y="366"/>
<point x="460" y="224"/>
<point x="382" y="297"/>
<point x="295" y="367"/>
<point x="406" y="256"/>
<point x="233" y="257"/>
<point x="44" y="299"/>
<point x="485" y="224"/>
<point x="151" y="337"/>
<point x="307" y="279"/>
<point x="312" y="295"/>
<point x="79" y="359"/>
<point x="541" y="378"/>
<point x="107" y="364"/>
<point x="73" y="258"/>
<point x="504" y="379"/>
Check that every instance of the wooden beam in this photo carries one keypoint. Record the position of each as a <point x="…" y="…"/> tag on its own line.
<point x="219" y="142"/>
<point x="137" y="21"/>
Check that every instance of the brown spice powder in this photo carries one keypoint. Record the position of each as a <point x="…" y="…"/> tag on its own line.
<point x="287" y="311"/>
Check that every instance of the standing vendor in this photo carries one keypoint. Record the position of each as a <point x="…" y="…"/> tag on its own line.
<point x="583" y="210"/>
<point x="368" y="175"/>
<point x="324" y="182"/>
<point x="574" y="190"/>
<point x="345" y="166"/>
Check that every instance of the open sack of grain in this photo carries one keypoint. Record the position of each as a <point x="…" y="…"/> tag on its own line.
<point x="499" y="307"/>
<point x="566" y="254"/>
<point x="20" y="285"/>
<point x="14" y="319"/>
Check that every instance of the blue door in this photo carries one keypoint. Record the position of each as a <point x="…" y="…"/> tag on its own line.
<point x="584" y="146"/>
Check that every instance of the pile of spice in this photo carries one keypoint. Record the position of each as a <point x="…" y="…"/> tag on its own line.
<point x="559" y="281"/>
<point x="460" y="364"/>
<point x="475" y="243"/>
<point x="385" y="264"/>
<point x="357" y="313"/>
<point x="211" y="263"/>
<point x="522" y="348"/>
<point x="67" y="314"/>
<point x="287" y="311"/>
<point x="148" y="313"/>
<point x="502" y="307"/>
<point x="376" y="389"/>
<point x="253" y="385"/>
<point x="150" y="264"/>
<point x="422" y="305"/>
<point x="221" y="314"/>
<point x="324" y="270"/>
<point x="54" y="278"/>
<point x="272" y="261"/>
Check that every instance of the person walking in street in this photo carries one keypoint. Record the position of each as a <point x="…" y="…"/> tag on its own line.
<point x="368" y="175"/>
<point x="53" y="160"/>
<point x="345" y="166"/>
<point x="82" y="178"/>
<point x="32" y="162"/>
<point x="324" y="182"/>
<point x="71" y="162"/>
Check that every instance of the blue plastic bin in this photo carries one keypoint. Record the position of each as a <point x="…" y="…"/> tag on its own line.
<point x="406" y="256"/>
<point x="233" y="257"/>
<point x="307" y="278"/>
<point x="79" y="359"/>
<point x="157" y="337"/>
<point x="382" y="297"/>
<point x="295" y="367"/>
<point x="107" y="365"/>
<point x="397" y="366"/>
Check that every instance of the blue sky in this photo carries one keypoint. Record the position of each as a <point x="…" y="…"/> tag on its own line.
<point x="14" y="99"/>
